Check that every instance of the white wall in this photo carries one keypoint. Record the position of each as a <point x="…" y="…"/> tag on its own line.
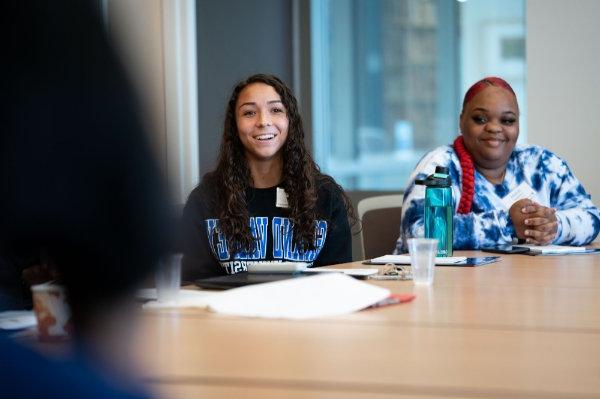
<point x="483" y="26"/>
<point x="157" y="42"/>
<point x="563" y="95"/>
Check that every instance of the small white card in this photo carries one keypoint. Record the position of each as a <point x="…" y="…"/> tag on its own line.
<point x="282" y="199"/>
<point x="522" y="191"/>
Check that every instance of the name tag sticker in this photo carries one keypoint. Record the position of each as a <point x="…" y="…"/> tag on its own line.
<point x="282" y="199"/>
<point x="523" y="191"/>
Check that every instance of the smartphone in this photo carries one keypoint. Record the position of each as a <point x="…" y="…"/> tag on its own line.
<point x="506" y="249"/>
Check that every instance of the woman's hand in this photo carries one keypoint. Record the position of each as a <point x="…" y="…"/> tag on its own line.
<point x="535" y="223"/>
<point x="541" y="223"/>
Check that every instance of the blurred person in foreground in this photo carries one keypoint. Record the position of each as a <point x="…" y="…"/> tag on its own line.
<point x="79" y="185"/>
<point x="503" y="192"/>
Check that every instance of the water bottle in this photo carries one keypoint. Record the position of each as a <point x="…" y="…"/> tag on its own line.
<point x="439" y="209"/>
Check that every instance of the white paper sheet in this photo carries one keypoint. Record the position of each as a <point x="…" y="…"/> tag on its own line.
<point x="323" y="295"/>
<point x="186" y="299"/>
<point x="405" y="260"/>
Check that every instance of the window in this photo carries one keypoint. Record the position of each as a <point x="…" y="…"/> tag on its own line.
<point x="389" y="75"/>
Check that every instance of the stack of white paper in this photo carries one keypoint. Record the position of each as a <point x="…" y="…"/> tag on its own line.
<point x="323" y="295"/>
<point x="405" y="260"/>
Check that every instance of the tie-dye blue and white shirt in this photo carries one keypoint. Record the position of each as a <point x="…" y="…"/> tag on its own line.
<point x="488" y="223"/>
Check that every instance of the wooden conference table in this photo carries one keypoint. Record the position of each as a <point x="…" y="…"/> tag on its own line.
<point x="526" y="327"/>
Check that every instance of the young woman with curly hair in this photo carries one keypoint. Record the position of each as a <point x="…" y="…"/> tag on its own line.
<point x="267" y="200"/>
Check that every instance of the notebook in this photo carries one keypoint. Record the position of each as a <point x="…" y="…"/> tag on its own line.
<point x="439" y="261"/>
<point x="405" y="260"/>
<point x="553" y="249"/>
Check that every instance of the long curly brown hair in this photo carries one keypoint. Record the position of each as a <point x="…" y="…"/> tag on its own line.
<point x="301" y="176"/>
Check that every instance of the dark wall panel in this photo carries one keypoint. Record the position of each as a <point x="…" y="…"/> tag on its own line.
<point x="235" y="39"/>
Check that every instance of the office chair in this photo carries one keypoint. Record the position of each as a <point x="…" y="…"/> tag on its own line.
<point x="380" y="222"/>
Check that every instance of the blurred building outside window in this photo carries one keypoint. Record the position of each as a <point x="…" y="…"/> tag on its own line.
<point x="388" y="78"/>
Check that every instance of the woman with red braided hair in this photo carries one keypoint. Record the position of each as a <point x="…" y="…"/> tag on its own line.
<point x="502" y="191"/>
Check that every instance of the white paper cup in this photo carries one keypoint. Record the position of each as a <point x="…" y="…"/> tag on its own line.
<point x="52" y="312"/>
<point x="168" y="279"/>
<point x="422" y="259"/>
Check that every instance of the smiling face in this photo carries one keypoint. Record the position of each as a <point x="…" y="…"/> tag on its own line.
<point x="262" y="122"/>
<point x="490" y="127"/>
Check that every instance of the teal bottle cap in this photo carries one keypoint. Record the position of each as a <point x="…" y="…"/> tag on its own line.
<point x="440" y="178"/>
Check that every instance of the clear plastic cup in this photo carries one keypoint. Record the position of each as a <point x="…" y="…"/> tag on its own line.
<point x="168" y="279"/>
<point x="422" y="259"/>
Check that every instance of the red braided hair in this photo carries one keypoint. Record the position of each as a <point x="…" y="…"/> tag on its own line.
<point x="468" y="175"/>
<point x="482" y="84"/>
<point x="464" y="156"/>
